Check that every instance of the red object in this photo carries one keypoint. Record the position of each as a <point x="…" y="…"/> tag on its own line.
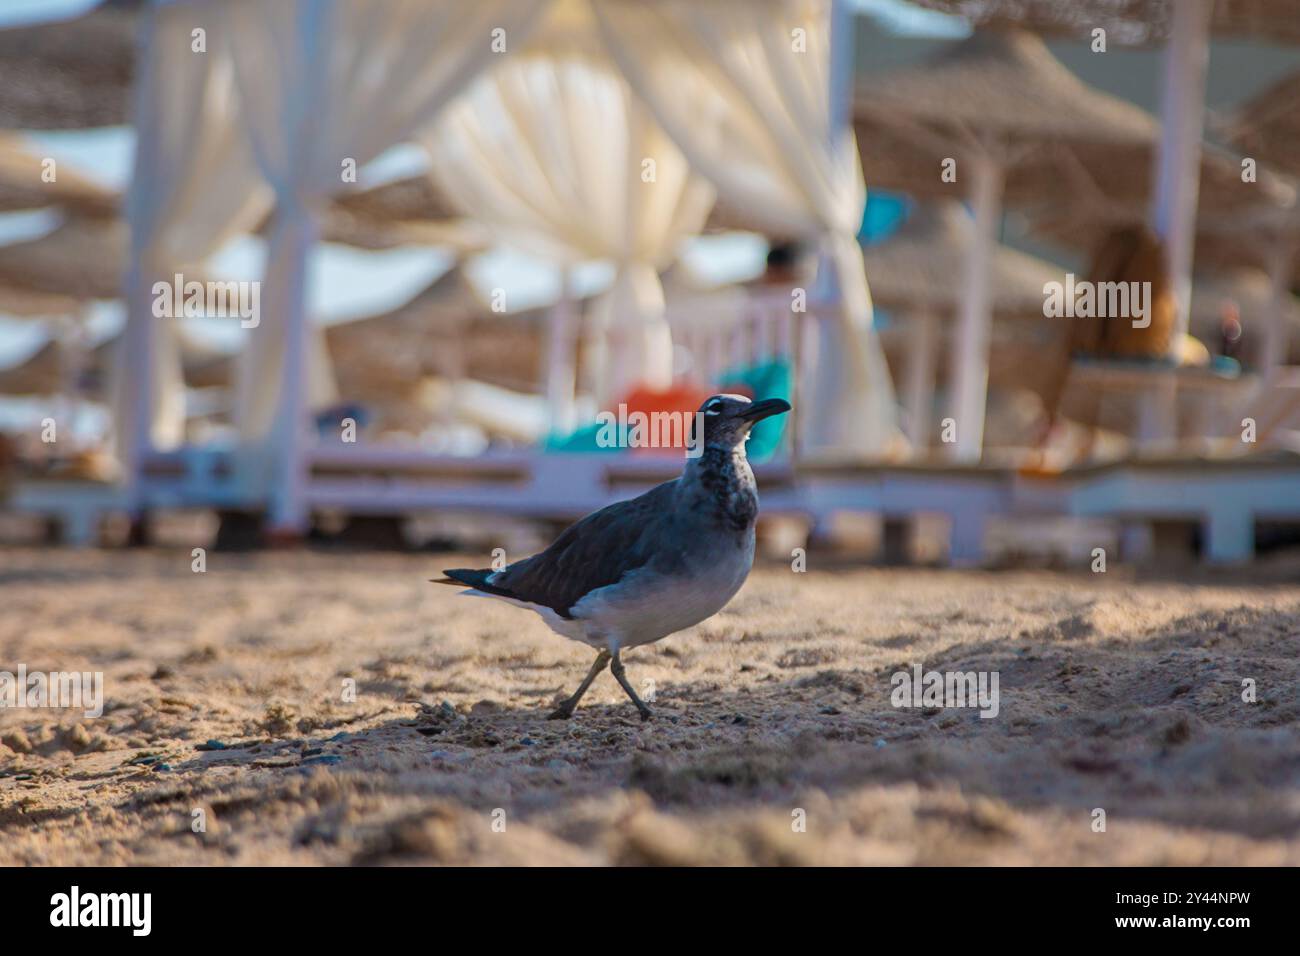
<point x="683" y="398"/>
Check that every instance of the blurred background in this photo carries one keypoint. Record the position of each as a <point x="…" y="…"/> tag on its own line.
<point x="457" y="237"/>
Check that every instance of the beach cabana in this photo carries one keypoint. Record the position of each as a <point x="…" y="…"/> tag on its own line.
<point x="313" y="87"/>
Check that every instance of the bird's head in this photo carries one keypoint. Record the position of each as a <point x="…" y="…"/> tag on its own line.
<point x="727" y="419"/>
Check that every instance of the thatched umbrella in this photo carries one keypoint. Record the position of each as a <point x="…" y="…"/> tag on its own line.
<point x="1001" y="106"/>
<point x="23" y="184"/>
<point x="413" y="210"/>
<point x="1129" y="21"/>
<point x="27" y="303"/>
<point x="445" y="330"/>
<point x="42" y="373"/>
<point x="1267" y="127"/>
<point x="1184" y="26"/>
<point x="409" y="211"/>
<point x="81" y="258"/>
<point x="919" y="267"/>
<point x="69" y="74"/>
<point x="916" y="273"/>
<point x="203" y="365"/>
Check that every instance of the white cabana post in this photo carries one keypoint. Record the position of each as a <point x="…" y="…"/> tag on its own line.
<point x="560" y="375"/>
<point x="919" y="377"/>
<point x="325" y="87"/>
<point x="1276" y="344"/>
<point x="1178" y="159"/>
<point x="192" y="188"/>
<point x="970" y="356"/>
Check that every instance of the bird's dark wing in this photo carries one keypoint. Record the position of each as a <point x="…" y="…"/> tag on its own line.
<point x="593" y="553"/>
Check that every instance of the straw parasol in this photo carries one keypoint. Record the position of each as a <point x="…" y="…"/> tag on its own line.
<point x="1267" y="127"/>
<point x="1004" y="108"/>
<point x="69" y="74"/>
<point x="409" y="211"/>
<point x="1128" y="21"/>
<point x="919" y="268"/>
<point x="41" y="373"/>
<point x="916" y="273"/>
<point x="81" y="258"/>
<point x="24" y="302"/>
<point x="23" y="185"/>
<point x="1022" y="127"/>
<point x="413" y="210"/>
<point x="203" y="365"/>
<point x="445" y="330"/>
<point x="1184" y="26"/>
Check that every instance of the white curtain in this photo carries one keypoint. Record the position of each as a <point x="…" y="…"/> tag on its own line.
<point x="555" y="155"/>
<point x="193" y="187"/>
<point x="743" y="87"/>
<point x="326" y="86"/>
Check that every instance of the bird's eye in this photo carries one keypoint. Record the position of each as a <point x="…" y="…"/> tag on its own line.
<point x="713" y="408"/>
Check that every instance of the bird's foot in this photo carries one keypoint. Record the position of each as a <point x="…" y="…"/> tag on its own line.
<point x="560" y="713"/>
<point x="646" y="713"/>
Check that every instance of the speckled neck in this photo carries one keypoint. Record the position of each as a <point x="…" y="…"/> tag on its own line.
<point x="721" y="481"/>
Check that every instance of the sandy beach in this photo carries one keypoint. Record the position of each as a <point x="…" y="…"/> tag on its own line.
<point x="226" y="692"/>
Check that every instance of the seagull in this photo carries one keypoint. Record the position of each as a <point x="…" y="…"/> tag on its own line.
<point x="636" y="571"/>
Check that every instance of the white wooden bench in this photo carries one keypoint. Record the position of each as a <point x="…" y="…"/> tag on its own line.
<point x="1224" y="497"/>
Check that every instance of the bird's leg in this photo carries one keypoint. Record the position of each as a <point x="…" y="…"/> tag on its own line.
<point x="616" y="668"/>
<point x="566" y="708"/>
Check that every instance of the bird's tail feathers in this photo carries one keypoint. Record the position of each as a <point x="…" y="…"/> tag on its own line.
<point x="477" y="578"/>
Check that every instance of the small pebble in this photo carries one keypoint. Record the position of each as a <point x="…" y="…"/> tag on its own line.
<point x="211" y="745"/>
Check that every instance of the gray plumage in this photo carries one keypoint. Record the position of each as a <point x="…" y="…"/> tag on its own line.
<point x="639" y="570"/>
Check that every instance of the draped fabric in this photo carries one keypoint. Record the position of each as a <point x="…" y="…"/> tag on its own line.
<point x="325" y="87"/>
<point x="556" y="156"/>
<point x="194" y="186"/>
<point x="742" y="87"/>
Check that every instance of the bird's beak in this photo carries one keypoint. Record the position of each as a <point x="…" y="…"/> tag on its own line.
<point x="758" y="411"/>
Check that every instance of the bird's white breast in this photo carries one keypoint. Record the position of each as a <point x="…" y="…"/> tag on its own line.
<point x="645" y="606"/>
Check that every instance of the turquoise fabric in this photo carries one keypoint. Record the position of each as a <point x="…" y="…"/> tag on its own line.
<point x="768" y="380"/>
<point x="583" y="441"/>
<point x="882" y="216"/>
